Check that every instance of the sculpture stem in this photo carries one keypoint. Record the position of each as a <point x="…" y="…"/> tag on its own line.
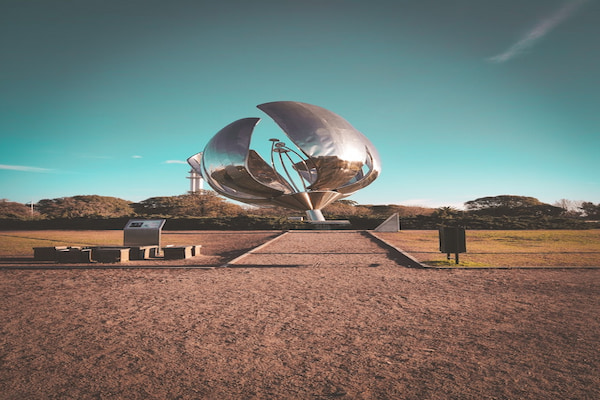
<point x="315" y="215"/>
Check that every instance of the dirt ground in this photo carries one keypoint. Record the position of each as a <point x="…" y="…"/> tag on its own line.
<point x="333" y="329"/>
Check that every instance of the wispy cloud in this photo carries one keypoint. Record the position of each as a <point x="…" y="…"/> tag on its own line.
<point x="136" y="156"/>
<point x="539" y="31"/>
<point x="175" y="162"/>
<point x="25" y="168"/>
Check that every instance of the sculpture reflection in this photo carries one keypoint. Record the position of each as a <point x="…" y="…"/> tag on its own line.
<point x="329" y="160"/>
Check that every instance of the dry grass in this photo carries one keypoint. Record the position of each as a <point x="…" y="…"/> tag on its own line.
<point x="21" y="243"/>
<point x="551" y="248"/>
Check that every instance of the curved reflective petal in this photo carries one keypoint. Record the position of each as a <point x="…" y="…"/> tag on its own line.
<point x="317" y="131"/>
<point x="337" y="149"/>
<point x="195" y="162"/>
<point x="225" y="164"/>
<point x="339" y="159"/>
<point x="361" y="180"/>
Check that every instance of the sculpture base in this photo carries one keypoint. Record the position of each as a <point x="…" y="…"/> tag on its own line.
<point x="330" y="225"/>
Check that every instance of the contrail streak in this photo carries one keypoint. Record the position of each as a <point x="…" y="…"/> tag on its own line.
<point x="539" y="31"/>
<point x="24" y="168"/>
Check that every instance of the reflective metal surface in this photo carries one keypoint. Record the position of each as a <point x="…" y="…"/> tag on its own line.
<point x="332" y="159"/>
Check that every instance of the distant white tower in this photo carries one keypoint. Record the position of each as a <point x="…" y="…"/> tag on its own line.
<point x="196" y="182"/>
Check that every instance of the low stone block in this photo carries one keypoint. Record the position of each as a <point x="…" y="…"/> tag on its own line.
<point x="143" y="252"/>
<point x="177" y="252"/>
<point x="46" y="253"/>
<point x="74" y="256"/>
<point x="196" y="250"/>
<point x="111" y="254"/>
<point x="86" y="255"/>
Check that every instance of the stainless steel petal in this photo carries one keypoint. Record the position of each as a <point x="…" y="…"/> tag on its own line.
<point x="195" y="162"/>
<point x="339" y="159"/>
<point x="373" y="165"/>
<point x="264" y="173"/>
<point x="317" y="131"/>
<point x="225" y="164"/>
<point x="336" y="148"/>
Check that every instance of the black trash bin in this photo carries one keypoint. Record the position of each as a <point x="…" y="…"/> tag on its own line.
<point x="453" y="241"/>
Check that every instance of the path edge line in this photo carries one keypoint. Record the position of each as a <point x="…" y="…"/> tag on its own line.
<point x="404" y="256"/>
<point x="246" y="254"/>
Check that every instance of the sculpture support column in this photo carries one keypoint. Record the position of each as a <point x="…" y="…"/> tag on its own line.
<point x="315" y="215"/>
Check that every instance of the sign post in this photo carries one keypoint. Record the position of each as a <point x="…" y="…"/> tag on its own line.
<point x="143" y="232"/>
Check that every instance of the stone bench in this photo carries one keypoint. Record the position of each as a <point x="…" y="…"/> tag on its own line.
<point x="47" y="253"/>
<point x="196" y="250"/>
<point x="111" y="254"/>
<point x="74" y="255"/>
<point x="177" y="252"/>
<point x="143" y="252"/>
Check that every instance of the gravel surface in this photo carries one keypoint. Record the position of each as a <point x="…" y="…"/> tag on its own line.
<point x="312" y="248"/>
<point x="347" y="322"/>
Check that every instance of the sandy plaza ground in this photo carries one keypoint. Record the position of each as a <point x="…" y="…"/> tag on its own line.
<point x="333" y="316"/>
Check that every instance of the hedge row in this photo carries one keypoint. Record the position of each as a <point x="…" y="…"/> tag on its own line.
<point x="282" y="223"/>
<point x="175" y="224"/>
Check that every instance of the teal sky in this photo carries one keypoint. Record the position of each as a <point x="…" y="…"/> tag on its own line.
<point x="463" y="99"/>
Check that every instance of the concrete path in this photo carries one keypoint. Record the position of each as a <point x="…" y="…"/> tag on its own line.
<point x="315" y="248"/>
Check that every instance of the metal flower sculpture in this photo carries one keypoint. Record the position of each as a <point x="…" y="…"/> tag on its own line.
<point x="330" y="160"/>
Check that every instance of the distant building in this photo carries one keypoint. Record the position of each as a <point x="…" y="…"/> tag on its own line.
<point x="196" y="182"/>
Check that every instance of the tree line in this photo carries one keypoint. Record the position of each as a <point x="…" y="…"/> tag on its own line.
<point x="209" y="209"/>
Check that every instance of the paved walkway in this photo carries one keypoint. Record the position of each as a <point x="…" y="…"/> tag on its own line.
<point x="315" y="248"/>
